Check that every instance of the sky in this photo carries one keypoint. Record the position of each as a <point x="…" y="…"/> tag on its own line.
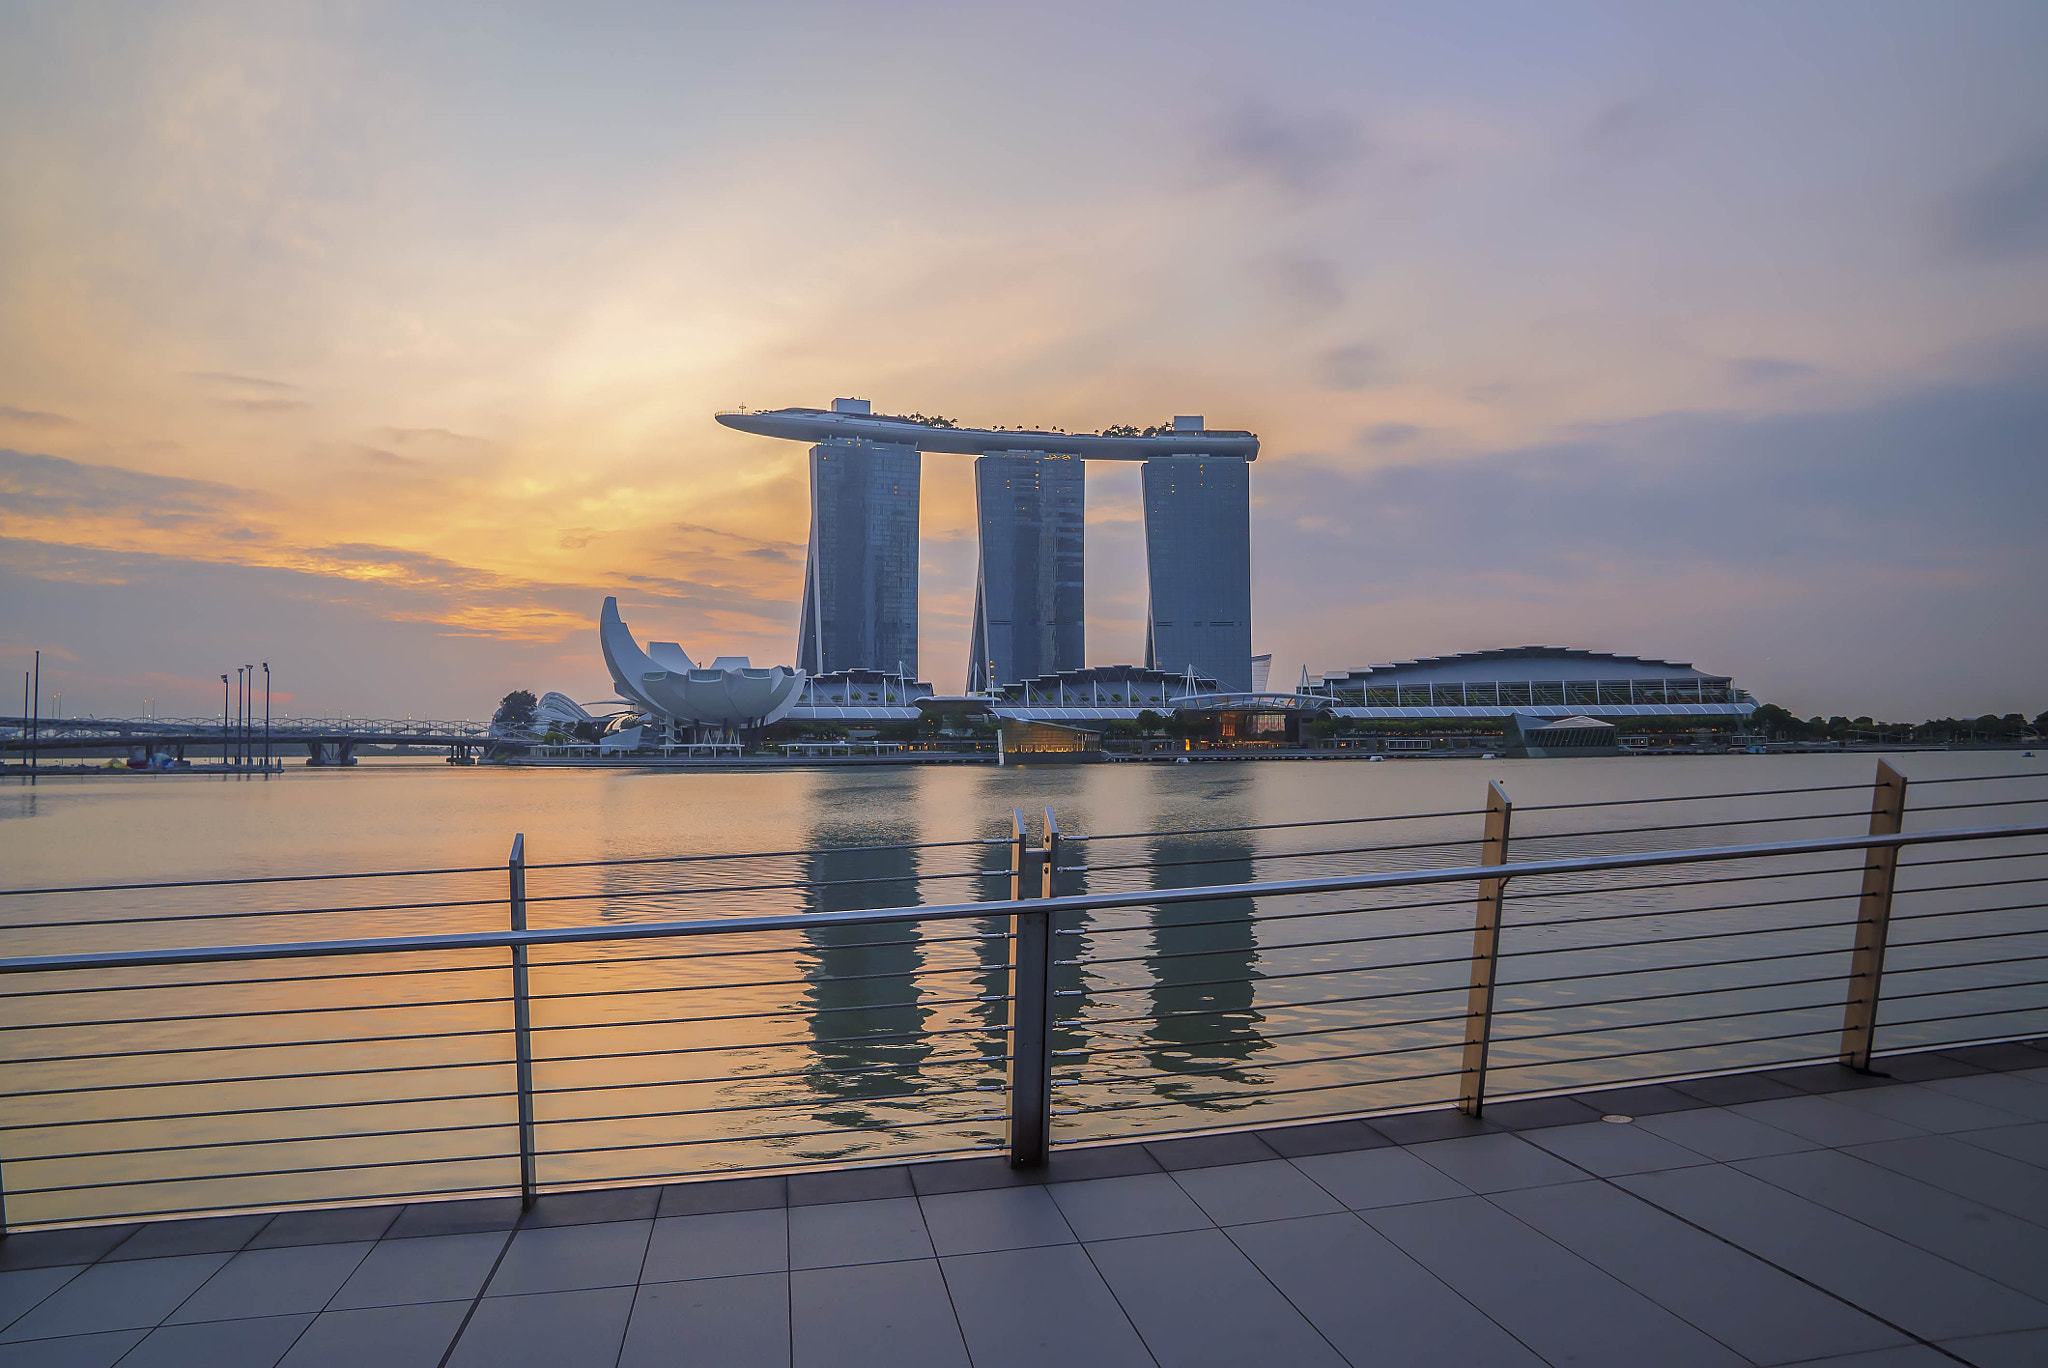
<point x="382" y="342"/>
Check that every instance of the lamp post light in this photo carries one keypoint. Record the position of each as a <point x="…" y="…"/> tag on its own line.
<point x="266" y="717"/>
<point x="223" y="721"/>
<point x="249" y="715"/>
<point x="35" y="719"/>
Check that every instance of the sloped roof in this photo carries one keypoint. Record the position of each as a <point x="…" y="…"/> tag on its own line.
<point x="1524" y="653"/>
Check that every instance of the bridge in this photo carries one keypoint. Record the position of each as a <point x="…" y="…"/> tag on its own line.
<point x="328" y="741"/>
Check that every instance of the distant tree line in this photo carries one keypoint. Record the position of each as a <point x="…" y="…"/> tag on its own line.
<point x="1780" y="724"/>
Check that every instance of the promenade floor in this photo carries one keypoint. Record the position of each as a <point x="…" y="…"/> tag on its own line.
<point x="1801" y="1216"/>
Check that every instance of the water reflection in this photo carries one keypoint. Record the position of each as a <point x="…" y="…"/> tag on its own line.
<point x="861" y="986"/>
<point x="1202" y="992"/>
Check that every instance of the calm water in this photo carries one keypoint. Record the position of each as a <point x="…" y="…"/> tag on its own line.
<point x="860" y="1042"/>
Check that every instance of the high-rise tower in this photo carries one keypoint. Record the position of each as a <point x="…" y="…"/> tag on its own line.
<point x="1198" y="563"/>
<point x="860" y="584"/>
<point x="1028" y="588"/>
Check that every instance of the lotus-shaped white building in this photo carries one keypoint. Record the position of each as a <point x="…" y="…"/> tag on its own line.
<point x="666" y="686"/>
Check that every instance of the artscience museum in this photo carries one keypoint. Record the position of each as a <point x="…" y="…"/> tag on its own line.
<point x="685" y="703"/>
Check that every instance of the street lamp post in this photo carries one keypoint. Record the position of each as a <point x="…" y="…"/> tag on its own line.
<point x="35" y="723"/>
<point x="249" y="715"/>
<point x="223" y="721"/>
<point x="266" y="717"/>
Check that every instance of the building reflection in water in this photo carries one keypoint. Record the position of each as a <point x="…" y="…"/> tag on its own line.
<point x="1202" y="992"/>
<point x="861" y="981"/>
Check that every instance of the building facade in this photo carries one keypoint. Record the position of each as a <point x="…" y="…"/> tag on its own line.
<point x="1198" y="565"/>
<point x="1029" y="611"/>
<point x="860" y="582"/>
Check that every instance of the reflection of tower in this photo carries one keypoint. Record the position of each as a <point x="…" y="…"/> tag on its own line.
<point x="1028" y="589"/>
<point x="860" y="586"/>
<point x="863" y="984"/>
<point x="1198" y="564"/>
<point x="1198" y="1022"/>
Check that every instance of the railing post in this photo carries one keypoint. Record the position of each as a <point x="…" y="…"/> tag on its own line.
<point x="1485" y="954"/>
<point x="1873" y="918"/>
<point x="1030" y="984"/>
<point x="522" y="1027"/>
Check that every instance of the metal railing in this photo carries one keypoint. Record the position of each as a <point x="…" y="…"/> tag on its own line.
<point x="140" y="1080"/>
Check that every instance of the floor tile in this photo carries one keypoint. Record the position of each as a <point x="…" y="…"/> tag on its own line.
<point x="970" y="1175"/>
<point x="1919" y="1068"/>
<point x="857" y="1232"/>
<point x="1649" y="1099"/>
<point x="1827" y="1078"/>
<point x="132" y="1295"/>
<point x="1766" y="1315"/>
<point x="1377" y="1178"/>
<point x="739" y="1322"/>
<point x="1927" y="1108"/>
<point x="726" y="1194"/>
<point x="1198" y="1301"/>
<point x="1495" y="1163"/>
<point x="273" y="1282"/>
<point x="54" y="1248"/>
<point x="718" y="1245"/>
<point x="2028" y="1144"/>
<point x="1001" y="1300"/>
<point x="2005" y="1055"/>
<point x="888" y="1315"/>
<point x="1140" y="1204"/>
<point x="432" y="1268"/>
<point x="2001" y="1247"/>
<point x="1371" y="1301"/>
<point x="340" y="1226"/>
<point x="1722" y="1134"/>
<point x="1608" y="1148"/>
<point x="1412" y="1128"/>
<point x="2007" y="1092"/>
<point x="455" y="1218"/>
<point x="1271" y="1191"/>
<point x="1533" y="1113"/>
<point x="21" y="1289"/>
<point x="546" y="1330"/>
<point x="1926" y="1295"/>
<point x="1207" y="1151"/>
<point x="1105" y="1161"/>
<point x="1329" y="1137"/>
<point x="210" y="1235"/>
<point x="257" y="1343"/>
<point x="848" y="1185"/>
<point x="2022" y="1349"/>
<point x="1825" y="1120"/>
<point x="996" y="1218"/>
<point x="1730" y="1089"/>
<point x="1905" y="1356"/>
<point x="569" y="1258"/>
<point x="1551" y="1300"/>
<point x="592" y="1208"/>
<point x="384" y="1336"/>
<point x="1945" y="1162"/>
<point x="75" y="1351"/>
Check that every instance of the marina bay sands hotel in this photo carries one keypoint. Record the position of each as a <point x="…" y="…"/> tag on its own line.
<point x="860" y="586"/>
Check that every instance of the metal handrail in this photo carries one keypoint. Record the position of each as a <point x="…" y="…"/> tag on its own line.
<point x="1081" y="902"/>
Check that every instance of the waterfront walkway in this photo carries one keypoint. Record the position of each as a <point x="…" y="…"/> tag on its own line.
<point x="1807" y="1215"/>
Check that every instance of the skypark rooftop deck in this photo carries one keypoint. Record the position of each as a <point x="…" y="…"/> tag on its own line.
<point x="824" y="425"/>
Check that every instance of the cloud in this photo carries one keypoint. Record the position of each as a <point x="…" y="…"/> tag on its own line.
<point x="230" y="380"/>
<point x="2003" y="215"/>
<point x="1352" y="367"/>
<point x="1866" y="553"/>
<point x="1390" y="434"/>
<point x="50" y="487"/>
<point x="22" y="417"/>
<point x="1301" y="283"/>
<point x="263" y="405"/>
<point x="1769" y="370"/>
<point x="1631" y="129"/>
<point x="1301" y="153"/>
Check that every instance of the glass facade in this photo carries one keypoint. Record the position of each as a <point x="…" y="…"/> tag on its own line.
<point x="1028" y="586"/>
<point x="1198" y="562"/>
<point x="860" y="586"/>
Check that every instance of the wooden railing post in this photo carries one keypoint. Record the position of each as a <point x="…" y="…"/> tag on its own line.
<point x="522" y="1028"/>
<point x="1030" y="985"/>
<point x="1873" y="918"/>
<point x="1485" y="954"/>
